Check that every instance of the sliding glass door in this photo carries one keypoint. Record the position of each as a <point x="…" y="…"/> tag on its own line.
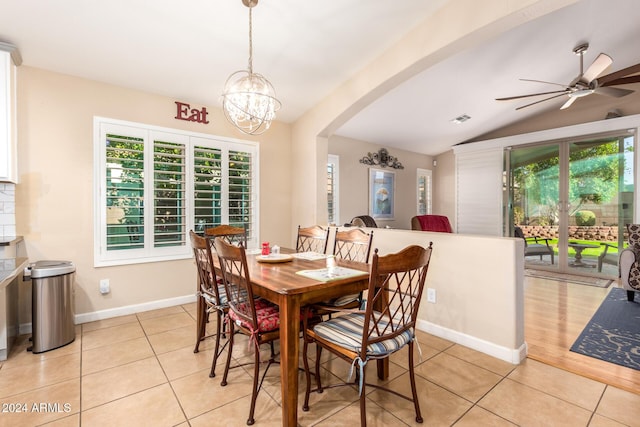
<point x="534" y="190"/>
<point x="571" y="201"/>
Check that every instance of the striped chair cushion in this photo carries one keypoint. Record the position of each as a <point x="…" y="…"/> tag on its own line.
<point x="343" y="300"/>
<point x="211" y="299"/>
<point x="346" y="331"/>
<point x="267" y="315"/>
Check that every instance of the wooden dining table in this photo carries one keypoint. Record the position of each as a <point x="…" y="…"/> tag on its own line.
<point x="281" y="284"/>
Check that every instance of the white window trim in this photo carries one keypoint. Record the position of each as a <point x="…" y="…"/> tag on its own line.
<point x="101" y="258"/>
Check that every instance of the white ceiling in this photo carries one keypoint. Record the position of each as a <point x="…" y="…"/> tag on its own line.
<point x="186" y="50"/>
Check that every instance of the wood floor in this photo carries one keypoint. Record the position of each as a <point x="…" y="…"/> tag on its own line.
<point x="555" y="314"/>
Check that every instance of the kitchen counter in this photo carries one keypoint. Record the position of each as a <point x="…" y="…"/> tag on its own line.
<point x="10" y="276"/>
<point x="11" y="268"/>
<point x="11" y="247"/>
<point x="10" y="240"/>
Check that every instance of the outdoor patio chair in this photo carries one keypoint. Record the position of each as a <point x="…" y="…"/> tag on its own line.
<point x="607" y="257"/>
<point x="532" y="245"/>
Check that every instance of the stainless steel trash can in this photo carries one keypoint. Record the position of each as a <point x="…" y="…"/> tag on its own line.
<point x="52" y="304"/>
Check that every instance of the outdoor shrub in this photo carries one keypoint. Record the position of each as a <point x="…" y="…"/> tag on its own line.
<point x="585" y="218"/>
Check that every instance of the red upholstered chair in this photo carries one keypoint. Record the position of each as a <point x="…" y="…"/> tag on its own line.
<point x="438" y="223"/>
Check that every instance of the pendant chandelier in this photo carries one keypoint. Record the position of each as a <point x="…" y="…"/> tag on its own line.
<point x="249" y="100"/>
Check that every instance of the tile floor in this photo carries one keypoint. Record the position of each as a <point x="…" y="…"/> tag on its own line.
<point x="141" y="370"/>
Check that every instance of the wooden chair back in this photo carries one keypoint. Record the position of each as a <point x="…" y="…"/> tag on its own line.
<point x="231" y="234"/>
<point x="396" y="283"/>
<point x="312" y="239"/>
<point x="353" y="245"/>
<point x="237" y="283"/>
<point x="204" y="264"/>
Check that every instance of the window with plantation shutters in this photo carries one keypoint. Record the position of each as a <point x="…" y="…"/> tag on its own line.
<point x="124" y="182"/>
<point x="424" y="187"/>
<point x="240" y="200"/>
<point x="232" y="203"/>
<point x="169" y="194"/>
<point x="153" y="185"/>
<point x="333" y="211"/>
<point x="207" y="182"/>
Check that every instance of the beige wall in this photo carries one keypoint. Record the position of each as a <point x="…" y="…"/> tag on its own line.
<point x="54" y="198"/>
<point x="478" y="282"/>
<point x="354" y="180"/>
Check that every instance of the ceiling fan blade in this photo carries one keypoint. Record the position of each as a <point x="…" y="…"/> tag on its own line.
<point x="605" y="80"/>
<point x="542" y="81"/>
<point x="542" y="100"/>
<point x="621" y="81"/>
<point x="613" y="91"/>
<point x="568" y="103"/>
<point x="508" y="98"/>
<point x="596" y="68"/>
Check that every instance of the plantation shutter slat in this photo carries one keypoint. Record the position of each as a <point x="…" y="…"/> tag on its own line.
<point x="125" y="192"/>
<point x="479" y="192"/>
<point x="169" y="201"/>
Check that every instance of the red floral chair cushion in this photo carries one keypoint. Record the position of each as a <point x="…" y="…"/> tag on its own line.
<point x="267" y="315"/>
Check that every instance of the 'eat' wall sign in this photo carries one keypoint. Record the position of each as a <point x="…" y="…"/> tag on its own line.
<point x="185" y="112"/>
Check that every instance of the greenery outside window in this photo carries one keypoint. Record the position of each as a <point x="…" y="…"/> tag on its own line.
<point x="153" y="185"/>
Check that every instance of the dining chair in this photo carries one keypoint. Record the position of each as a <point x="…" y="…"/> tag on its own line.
<point x="386" y="325"/>
<point x="350" y="245"/>
<point x="254" y="317"/>
<point x="312" y="239"/>
<point x="232" y="234"/>
<point x="211" y="294"/>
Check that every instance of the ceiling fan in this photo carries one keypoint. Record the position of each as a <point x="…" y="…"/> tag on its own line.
<point x="587" y="82"/>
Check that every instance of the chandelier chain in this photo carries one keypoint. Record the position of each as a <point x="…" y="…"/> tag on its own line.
<point x="250" y="40"/>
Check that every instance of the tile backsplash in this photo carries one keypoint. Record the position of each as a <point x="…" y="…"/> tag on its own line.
<point x="7" y="209"/>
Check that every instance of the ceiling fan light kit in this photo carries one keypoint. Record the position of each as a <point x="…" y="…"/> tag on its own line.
<point x="587" y="82"/>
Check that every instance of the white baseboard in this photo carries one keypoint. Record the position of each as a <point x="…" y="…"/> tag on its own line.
<point x="26" y="328"/>
<point x="514" y="356"/>
<point x="132" y="309"/>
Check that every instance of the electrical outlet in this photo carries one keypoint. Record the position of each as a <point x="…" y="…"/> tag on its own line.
<point x="431" y="295"/>
<point x="104" y="286"/>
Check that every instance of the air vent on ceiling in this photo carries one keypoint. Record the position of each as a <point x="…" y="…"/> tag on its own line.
<point x="461" y="119"/>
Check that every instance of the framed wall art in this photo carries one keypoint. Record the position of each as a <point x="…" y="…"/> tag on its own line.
<point x="381" y="193"/>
